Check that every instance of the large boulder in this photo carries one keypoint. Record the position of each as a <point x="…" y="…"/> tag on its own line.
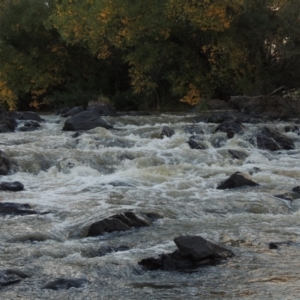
<point x="192" y="252"/>
<point x="7" y="123"/>
<point x="273" y="140"/>
<point x="30" y="115"/>
<point x="122" y="222"/>
<point x="11" y="186"/>
<point x="85" y="120"/>
<point x="238" y="179"/>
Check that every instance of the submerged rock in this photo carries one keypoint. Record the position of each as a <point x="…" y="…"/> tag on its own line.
<point x="11" y="186"/>
<point x="30" y="126"/>
<point x="196" y="144"/>
<point x="166" y="131"/>
<point x="9" y="208"/>
<point x="273" y="140"/>
<point x="192" y="252"/>
<point x="84" y="121"/>
<point x="122" y="222"/>
<point x="65" y="284"/>
<point x="237" y="179"/>
<point x="10" y="276"/>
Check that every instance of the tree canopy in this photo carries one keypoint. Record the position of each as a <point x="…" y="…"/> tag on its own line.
<point x="145" y="54"/>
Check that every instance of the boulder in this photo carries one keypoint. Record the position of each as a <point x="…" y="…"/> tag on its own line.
<point x="10" y="276"/>
<point x="11" y="186"/>
<point x="238" y="179"/>
<point x="102" y="110"/>
<point x="4" y="164"/>
<point x="166" y="131"/>
<point x="122" y="222"/>
<point x="273" y="140"/>
<point x="7" y="123"/>
<point x="72" y="112"/>
<point x="230" y="127"/>
<point x="192" y="252"/>
<point x="85" y="120"/>
<point x="29" y="115"/>
<point x="197" y="144"/>
<point x="9" y="208"/>
<point x="30" y="126"/>
<point x="65" y="284"/>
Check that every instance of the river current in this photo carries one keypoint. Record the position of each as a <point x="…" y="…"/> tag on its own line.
<point x="103" y="172"/>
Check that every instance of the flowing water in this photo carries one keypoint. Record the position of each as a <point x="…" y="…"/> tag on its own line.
<point x="103" y="172"/>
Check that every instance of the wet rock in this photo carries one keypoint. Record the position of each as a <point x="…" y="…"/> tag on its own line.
<point x="76" y="135"/>
<point x="238" y="154"/>
<point x="273" y="140"/>
<point x="10" y="276"/>
<point x="122" y="222"/>
<point x="84" y="121"/>
<point x="237" y="179"/>
<point x="166" y="131"/>
<point x="102" y="110"/>
<point x="106" y="250"/>
<point x="230" y="127"/>
<point x="4" y="164"/>
<point x="290" y="196"/>
<point x="30" y="115"/>
<point x="10" y="208"/>
<point x="72" y="112"/>
<point x="294" y="128"/>
<point x="196" y="144"/>
<point x="218" y="141"/>
<point x="65" y="284"/>
<point x="192" y="252"/>
<point x="275" y="245"/>
<point x="11" y="186"/>
<point x="7" y="123"/>
<point x="30" y="126"/>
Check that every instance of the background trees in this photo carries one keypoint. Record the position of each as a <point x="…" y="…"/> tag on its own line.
<point x="145" y="54"/>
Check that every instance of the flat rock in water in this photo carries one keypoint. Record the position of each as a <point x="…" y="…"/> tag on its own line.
<point x="11" y="186"/>
<point x="85" y="120"/>
<point x="65" y="284"/>
<point x="9" y="208"/>
<point x="237" y="179"/>
<point x="10" y="276"/>
<point x="122" y="222"/>
<point x="193" y="252"/>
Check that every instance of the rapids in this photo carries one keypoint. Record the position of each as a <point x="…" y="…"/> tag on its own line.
<point x="104" y="172"/>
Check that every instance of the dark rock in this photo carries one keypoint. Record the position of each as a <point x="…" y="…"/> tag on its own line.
<point x="7" y="123"/>
<point x="84" y="121"/>
<point x="290" y="196"/>
<point x="194" y="144"/>
<point x="72" y="112"/>
<point x="166" y="131"/>
<point x="218" y="141"/>
<point x="108" y="249"/>
<point x="237" y="179"/>
<point x="273" y="140"/>
<point x="120" y="222"/>
<point x="230" y="127"/>
<point x="238" y="154"/>
<point x="291" y="128"/>
<point x="193" y="252"/>
<point x="102" y="110"/>
<point x="4" y="164"/>
<point x="9" y="208"/>
<point x="30" y="126"/>
<point x="29" y="115"/>
<point x="273" y="246"/>
<point x="10" y="276"/>
<point x="76" y="135"/>
<point x="296" y="189"/>
<point x="11" y="186"/>
<point x="65" y="284"/>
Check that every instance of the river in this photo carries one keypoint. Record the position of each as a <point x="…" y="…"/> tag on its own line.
<point x="103" y="172"/>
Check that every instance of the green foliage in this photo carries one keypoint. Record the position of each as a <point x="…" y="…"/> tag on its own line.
<point x="145" y="54"/>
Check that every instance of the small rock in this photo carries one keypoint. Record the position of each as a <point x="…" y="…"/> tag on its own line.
<point x="65" y="284"/>
<point x="237" y="179"/>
